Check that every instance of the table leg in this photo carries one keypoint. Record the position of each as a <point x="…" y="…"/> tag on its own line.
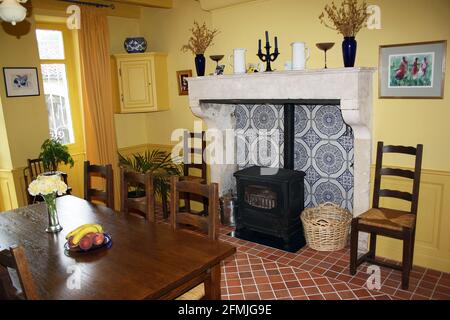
<point x="212" y="284"/>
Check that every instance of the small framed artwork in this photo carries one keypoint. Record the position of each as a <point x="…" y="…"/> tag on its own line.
<point x="412" y="70"/>
<point x="219" y="70"/>
<point x="21" y="82"/>
<point x="183" y="89"/>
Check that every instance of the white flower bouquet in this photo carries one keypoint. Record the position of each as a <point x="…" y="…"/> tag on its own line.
<point x="45" y="185"/>
<point x="48" y="186"/>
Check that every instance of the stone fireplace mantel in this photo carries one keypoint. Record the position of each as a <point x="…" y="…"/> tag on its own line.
<point x="211" y="99"/>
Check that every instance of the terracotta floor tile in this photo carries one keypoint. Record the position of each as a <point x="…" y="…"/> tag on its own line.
<point x="293" y="284"/>
<point x="264" y="287"/>
<point x="282" y="293"/>
<point x="424" y="292"/>
<point x="234" y="290"/>
<point x="268" y="295"/>
<point x="331" y="296"/>
<point x="362" y="293"/>
<point x="311" y="290"/>
<point x="249" y="289"/>
<point x="259" y="280"/>
<point x="316" y="297"/>
<point x="403" y="294"/>
<point x="260" y="272"/>
<point x="308" y="283"/>
<point x="278" y="286"/>
<point x="440" y="296"/>
<point x="276" y="278"/>
<point x="346" y="295"/>
<point x="326" y="288"/>
<point x="252" y="296"/>
<point x="248" y="281"/>
<point x="321" y="281"/>
<point x="297" y="292"/>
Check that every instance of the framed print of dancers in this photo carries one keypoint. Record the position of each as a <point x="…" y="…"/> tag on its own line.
<point x="413" y="70"/>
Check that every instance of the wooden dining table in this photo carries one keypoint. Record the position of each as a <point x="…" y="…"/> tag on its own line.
<point x="147" y="260"/>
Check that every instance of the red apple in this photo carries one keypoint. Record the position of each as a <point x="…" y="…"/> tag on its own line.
<point x="98" y="239"/>
<point x="86" y="242"/>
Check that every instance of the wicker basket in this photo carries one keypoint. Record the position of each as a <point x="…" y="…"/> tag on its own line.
<point x="326" y="227"/>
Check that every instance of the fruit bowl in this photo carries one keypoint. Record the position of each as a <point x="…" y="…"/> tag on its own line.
<point x="107" y="243"/>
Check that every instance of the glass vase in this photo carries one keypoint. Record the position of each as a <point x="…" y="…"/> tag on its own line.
<point x="53" y="221"/>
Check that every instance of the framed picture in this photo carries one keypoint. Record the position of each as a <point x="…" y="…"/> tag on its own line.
<point x="182" y="76"/>
<point x="412" y="70"/>
<point x="21" y="82"/>
<point x="219" y="70"/>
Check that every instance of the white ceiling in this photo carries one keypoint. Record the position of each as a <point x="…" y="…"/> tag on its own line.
<point x="217" y="4"/>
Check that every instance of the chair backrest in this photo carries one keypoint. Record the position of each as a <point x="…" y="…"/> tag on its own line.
<point x="413" y="175"/>
<point x="145" y="205"/>
<point x="35" y="167"/>
<point x="105" y="172"/>
<point x="208" y="224"/>
<point x="14" y="258"/>
<point x="190" y="149"/>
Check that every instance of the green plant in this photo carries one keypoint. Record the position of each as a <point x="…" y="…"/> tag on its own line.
<point x="53" y="153"/>
<point x="158" y="163"/>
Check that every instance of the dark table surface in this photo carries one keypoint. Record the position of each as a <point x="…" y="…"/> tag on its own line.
<point x="146" y="260"/>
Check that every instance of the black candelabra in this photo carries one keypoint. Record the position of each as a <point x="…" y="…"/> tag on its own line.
<point x="268" y="57"/>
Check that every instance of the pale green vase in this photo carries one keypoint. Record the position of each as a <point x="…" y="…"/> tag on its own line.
<point x="53" y="221"/>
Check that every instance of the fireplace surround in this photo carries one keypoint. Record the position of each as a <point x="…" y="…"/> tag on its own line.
<point x="213" y="99"/>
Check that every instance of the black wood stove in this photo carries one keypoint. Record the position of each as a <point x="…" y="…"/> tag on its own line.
<point x="269" y="207"/>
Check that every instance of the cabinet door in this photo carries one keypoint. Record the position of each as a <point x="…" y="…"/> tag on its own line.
<point x="136" y="86"/>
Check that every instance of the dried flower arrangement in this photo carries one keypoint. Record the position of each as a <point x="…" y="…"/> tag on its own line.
<point x="201" y="39"/>
<point x="348" y="20"/>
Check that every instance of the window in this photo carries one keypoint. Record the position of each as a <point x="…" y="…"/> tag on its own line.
<point x="56" y="88"/>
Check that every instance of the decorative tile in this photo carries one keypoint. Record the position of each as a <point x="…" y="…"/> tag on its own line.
<point x="329" y="144"/>
<point x="323" y="147"/>
<point x="328" y="122"/>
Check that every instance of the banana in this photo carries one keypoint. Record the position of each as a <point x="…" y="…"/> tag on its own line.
<point x="89" y="229"/>
<point x="80" y="228"/>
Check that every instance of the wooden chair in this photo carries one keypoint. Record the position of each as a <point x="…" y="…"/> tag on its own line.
<point x="34" y="168"/>
<point x="208" y="224"/>
<point x="389" y="222"/>
<point x="106" y="172"/>
<point x="191" y="152"/>
<point x="144" y="206"/>
<point x="14" y="258"/>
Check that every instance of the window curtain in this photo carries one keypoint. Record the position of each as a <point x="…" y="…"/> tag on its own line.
<point x="101" y="146"/>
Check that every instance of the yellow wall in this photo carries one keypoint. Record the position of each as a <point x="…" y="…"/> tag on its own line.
<point x="405" y="121"/>
<point x="25" y="117"/>
<point x="167" y="31"/>
<point x="131" y="129"/>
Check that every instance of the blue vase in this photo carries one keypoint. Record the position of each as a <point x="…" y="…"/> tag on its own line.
<point x="135" y="45"/>
<point x="349" y="46"/>
<point x="200" y="64"/>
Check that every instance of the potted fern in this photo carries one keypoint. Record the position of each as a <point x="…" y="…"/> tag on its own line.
<point x="54" y="153"/>
<point x="160" y="165"/>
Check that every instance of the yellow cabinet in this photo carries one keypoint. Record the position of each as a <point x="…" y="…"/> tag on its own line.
<point x="142" y="82"/>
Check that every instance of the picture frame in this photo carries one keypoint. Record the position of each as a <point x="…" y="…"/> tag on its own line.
<point x="183" y="88"/>
<point x="21" y="81"/>
<point x="412" y="70"/>
<point x="219" y="70"/>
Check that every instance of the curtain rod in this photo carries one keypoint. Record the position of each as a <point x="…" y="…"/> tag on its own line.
<point x="97" y="5"/>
